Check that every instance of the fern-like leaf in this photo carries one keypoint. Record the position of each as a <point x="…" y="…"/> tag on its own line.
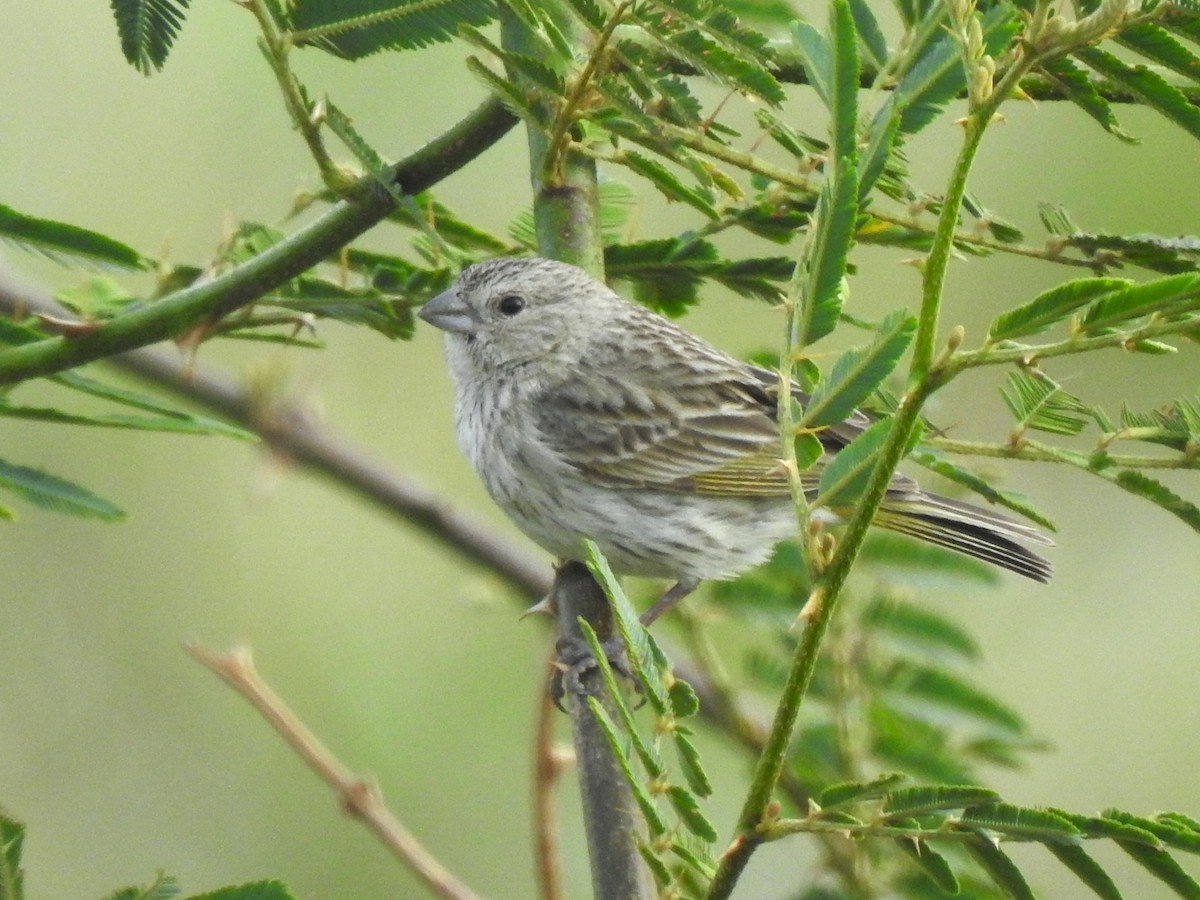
<point x="61" y="241"/>
<point x="148" y="29"/>
<point x="353" y="29"/>
<point x="56" y="494"/>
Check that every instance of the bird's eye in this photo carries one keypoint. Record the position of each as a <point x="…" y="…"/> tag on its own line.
<point x="511" y="305"/>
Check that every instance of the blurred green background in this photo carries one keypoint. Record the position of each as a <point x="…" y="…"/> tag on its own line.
<point x="124" y="757"/>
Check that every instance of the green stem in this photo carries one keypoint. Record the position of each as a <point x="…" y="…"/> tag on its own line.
<point x="936" y="264"/>
<point x="754" y="824"/>
<point x="276" y="44"/>
<point x="567" y="222"/>
<point x="1036" y="451"/>
<point x="1026" y="355"/>
<point x="241" y="286"/>
<point x="560" y="132"/>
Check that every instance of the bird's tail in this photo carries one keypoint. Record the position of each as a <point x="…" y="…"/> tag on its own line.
<point x="968" y="529"/>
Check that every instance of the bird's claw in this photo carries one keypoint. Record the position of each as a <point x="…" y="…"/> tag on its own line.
<point x="576" y="661"/>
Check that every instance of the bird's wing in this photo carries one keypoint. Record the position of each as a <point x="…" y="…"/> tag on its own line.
<point x="700" y="435"/>
<point x="689" y="431"/>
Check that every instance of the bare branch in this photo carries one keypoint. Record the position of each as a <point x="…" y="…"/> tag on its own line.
<point x="360" y="797"/>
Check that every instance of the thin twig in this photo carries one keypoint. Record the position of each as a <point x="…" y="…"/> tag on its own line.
<point x="1036" y="451"/>
<point x="293" y="432"/>
<point x="548" y="765"/>
<point x="275" y="44"/>
<point x="1028" y="354"/>
<point x="209" y="300"/>
<point x="359" y="796"/>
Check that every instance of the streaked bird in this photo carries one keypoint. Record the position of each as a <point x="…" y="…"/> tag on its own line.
<point x="587" y="416"/>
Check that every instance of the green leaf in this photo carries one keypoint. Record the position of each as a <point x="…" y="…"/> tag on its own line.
<point x="645" y="657"/>
<point x="910" y="623"/>
<point x="1167" y="255"/>
<point x="712" y="52"/>
<point x="1156" y="44"/>
<point x="1147" y="86"/>
<point x="845" y="793"/>
<point x="1170" y="833"/>
<point x="1172" y="295"/>
<point x="1052" y="306"/>
<point x="182" y="424"/>
<point x="654" y="820"/>
<point x="926" y="798"/>
<point x="817" y="59"/>
<point x="1001" y="868"/>
<point x="312" y="296"/>
<point x="1162" y="865"/>
<point x="695" y="854"/>
<point x="668" y="183"/>
<point x="934" y="461"/>
<point x="880" y="148"/>
<point x="658" y="868"/>
<point x="684" y="701"/>
<point x="12" y="878"/>
<point x="518" y="102"/>
<point x="99" y="297"/>
<point x="931" y="863"/>
<point x="353" y="29"/>
<point x="938" y="76"/>
<point x="821" y="285"/>
<point x="843" y="101"/>
<point x="590" y="12"/>
<point x="846" y="475"/>
<point x="1044" y="826"/>
<point x="1038" y="402"/>
<point x="147" y="29"/>
<point x="689" y="813"/>
<point x="953" y="695"/>
<point x="859" y="371"/>
<point x="61" y="242"/>
<point x="648" y="753"/>
<point x="56" y="494"/>
<point x="1180" y="821"/>
<point x="1103" y="827"/>
<point x="869" y="33"/>
<point x="198" y="424"/>
<point x="1160" y="495"/>
<point x="259" y="890"/>
<point x="1077" y="87"/>
<point x="691" y="765"/>
<point x="1056" y="220"/>
<point x="722" y="25"/>
<point x="1176" y="426"/>
<point x="1085" y="869"/>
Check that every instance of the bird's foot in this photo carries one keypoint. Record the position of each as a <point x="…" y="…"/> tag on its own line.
<point x="576" y="664"/>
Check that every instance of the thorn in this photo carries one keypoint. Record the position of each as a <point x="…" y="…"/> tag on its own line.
<point x="545" y="606"/>
<point x="812" y="606"/>
<point x="68" y="328"/>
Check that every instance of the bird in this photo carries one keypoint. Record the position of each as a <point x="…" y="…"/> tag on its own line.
<point x="587" y="416"/>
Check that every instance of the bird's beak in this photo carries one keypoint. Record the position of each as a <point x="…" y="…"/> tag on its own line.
<point x="447" y="312"/>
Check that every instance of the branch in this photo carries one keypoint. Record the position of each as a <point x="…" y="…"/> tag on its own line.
<point x="293" y="432"/>
<point x="549" y="764"/>
<point x="241" y="286"/>
<point x="1027" y="355"/>
<point x="1036" y="451"/>
<point x="567" y="221"/>
<point x="610" y="815"/>
<point x="359" y="797"/>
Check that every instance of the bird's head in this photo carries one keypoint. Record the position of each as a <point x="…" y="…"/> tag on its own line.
<point x="508" y="312"/>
